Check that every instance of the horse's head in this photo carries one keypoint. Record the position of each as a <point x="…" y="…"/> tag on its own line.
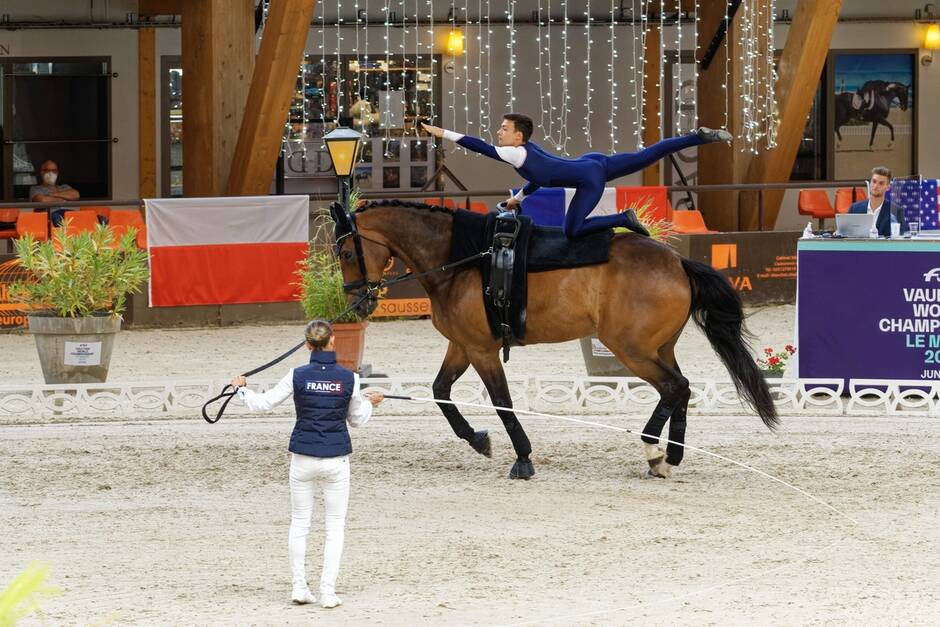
<point x="361" y="259"/>
<point x="902" y="94"/>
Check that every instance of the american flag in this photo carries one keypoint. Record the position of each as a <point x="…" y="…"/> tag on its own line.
<point x="918" y="197"/>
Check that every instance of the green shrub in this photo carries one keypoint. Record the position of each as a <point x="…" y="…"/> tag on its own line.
<point x="320" y="280"/>
<point x="80" y="275"/>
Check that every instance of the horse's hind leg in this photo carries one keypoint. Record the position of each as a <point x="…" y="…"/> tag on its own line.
<point x="660" y="371"/>
<point x="494" y="378"/>
<point x="455" y="364"/>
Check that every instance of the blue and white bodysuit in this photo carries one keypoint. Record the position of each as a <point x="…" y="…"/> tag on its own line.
<point x="588" y="174"/>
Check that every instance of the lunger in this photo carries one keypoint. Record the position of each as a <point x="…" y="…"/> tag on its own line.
<point x="326" y="398"/>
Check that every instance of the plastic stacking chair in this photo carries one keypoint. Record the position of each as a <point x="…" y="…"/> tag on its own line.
<point x="123" y="219"/>
<point x="844" y="198"/>
<point x="36" y="223"/>
<point x="689" y="222"/>
<point x="478" y="206"/>
<point x="8" y="223"/>
<point x="815" y="203"/>
<point x="82" y="221"/>
<point x="102" y="212"/>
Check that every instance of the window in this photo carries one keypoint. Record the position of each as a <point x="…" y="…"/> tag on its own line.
<point x="59" y="110"/>
<point x="171" y="73"/>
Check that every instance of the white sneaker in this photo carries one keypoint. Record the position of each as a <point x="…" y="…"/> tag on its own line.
<point x="330" y="600"/>
<point x="302" y="596"/>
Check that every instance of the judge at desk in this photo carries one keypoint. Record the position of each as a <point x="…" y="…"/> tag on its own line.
<point x="885" y="213"/>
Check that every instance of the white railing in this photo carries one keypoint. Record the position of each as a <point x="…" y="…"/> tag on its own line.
<point x="20" y="404"/>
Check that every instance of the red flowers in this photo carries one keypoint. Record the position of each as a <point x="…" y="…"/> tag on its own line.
<point x="775" y="361"/>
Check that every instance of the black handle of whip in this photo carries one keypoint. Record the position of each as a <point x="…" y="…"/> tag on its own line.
<point x="228" y="396"/>
<point x="400" y="398"/>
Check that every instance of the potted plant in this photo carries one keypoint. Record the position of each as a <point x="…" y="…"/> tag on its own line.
<point x="774" y="362"/>
<point x="76" y="292"/>
<point x="320" y="281"/>
<point x="598" y="360"/>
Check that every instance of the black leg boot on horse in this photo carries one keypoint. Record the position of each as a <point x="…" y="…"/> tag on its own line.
<point x="455" y="364"/>
<point x="494" y="378"/>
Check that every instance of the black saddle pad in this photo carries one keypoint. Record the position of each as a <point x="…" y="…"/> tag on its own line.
<point x="538" y="249"/>
<point x="548" y="248"/>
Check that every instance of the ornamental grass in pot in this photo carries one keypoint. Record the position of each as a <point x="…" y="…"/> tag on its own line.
<point x="75" y="294"/>
<point x="320" y="283"/>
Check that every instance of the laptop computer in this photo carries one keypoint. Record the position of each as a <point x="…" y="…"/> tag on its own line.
<point x="854" y="224"/>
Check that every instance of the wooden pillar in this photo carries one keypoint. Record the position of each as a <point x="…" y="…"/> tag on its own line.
<point x="719" y="107"/>
<point x="272" y="87"/>
<point x="652" y="103"/>
<point x="218" y="46"/>
<point x="800" y="67"/>
<point x="146" y="113"/>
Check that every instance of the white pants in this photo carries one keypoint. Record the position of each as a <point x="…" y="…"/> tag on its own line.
<point x="306" y="475"/>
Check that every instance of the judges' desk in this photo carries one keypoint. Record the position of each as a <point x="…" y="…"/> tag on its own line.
<point x="868" y="309"/>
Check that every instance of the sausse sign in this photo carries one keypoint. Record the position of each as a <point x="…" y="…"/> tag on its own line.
<point x="406" y="299"/>
<point x="760" y="266"/>
<point x="12" y="315"/>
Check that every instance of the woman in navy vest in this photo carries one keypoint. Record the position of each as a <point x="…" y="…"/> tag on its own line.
<point x="326" y="397"/>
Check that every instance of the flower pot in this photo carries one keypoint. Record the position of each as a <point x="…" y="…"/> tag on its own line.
<point x="771" y="375"/>
<point x="74" y="350"/>
<point x="599" y="361"/>
<point x="349" y="341"/>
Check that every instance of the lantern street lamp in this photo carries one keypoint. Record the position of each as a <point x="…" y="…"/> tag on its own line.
<point x="344" y="145"/>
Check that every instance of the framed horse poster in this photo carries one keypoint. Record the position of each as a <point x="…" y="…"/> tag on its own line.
<point x="872" y="113"/>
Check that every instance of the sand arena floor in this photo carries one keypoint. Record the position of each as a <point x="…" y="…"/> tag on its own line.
<point x="180" y="522"/>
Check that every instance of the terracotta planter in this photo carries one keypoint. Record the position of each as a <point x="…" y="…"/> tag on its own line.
<point x="349" y="340"/>
<point x="74" y="350"/>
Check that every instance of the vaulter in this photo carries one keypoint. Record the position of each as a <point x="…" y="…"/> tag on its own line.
<point x="587" y="174"/>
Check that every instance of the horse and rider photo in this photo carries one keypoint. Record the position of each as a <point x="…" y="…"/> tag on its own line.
<point x="872" y="112"/>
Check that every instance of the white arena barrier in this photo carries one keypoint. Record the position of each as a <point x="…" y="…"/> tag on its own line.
<point x="615" y="396"/>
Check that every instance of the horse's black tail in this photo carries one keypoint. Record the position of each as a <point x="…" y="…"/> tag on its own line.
<point x="716" y="309"/>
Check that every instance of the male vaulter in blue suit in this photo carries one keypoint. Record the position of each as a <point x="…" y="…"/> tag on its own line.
<point x="587" y="174"/>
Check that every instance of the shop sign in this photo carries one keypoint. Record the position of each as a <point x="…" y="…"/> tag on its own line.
<point x="12" y="315"/>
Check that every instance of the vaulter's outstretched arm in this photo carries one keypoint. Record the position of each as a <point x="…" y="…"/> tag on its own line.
<point x="513" y="155"/>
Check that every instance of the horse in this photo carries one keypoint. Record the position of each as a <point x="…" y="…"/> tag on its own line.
<point x="637" y="303"/>
<point x="871" y="103"/>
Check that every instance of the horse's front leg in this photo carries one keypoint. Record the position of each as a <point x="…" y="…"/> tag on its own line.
<point x="874" y="129"/>
<point x="494" y="378"/>
<point x="455" y="364"/>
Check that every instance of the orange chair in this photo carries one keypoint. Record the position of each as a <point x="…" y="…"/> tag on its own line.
<point x="36" y="223"/>
<point x="122" y="219"/>
<point x="479" y="207"/>
<point x="844" y="198"/>
<point x="815" y="203"/>
<point x="8" y="223"/>
<point x="689" y="222"/>
<point x="102" y="212"/>
<point x="82" y="221"/>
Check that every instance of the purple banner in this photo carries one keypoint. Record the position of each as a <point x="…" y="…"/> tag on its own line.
<point x="868" y="310"/>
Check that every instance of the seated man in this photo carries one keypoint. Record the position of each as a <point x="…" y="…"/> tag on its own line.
<point x="51" y="191"/>
<point x="885" y="213"/>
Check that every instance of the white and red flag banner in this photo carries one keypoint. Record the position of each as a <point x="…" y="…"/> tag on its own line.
<point x="220" y="251"/>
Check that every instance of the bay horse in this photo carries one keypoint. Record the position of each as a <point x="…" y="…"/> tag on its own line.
<point x="638" y="303"/>
<point x="871" y="103"/>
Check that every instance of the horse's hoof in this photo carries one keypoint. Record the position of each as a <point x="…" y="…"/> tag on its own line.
<point x="522" y="469"/>
<point x="660" y="471"/>
<point x="481" y="443"/>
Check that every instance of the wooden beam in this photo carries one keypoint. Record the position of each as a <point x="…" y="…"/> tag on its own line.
<point x="719" y="107"/>
<point x="272" y="87"/>
<point x="218" y="56"/>
<point x="149" y="8"/>
<point x="146" y="113"/>
<point x="652" y="103"/>
<point x="800" y="67"/>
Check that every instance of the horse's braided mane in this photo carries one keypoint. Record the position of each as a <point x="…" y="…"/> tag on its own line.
<point x="401" y="203"/>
